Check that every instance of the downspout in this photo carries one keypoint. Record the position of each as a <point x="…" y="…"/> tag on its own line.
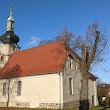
<point x="60" y="90"/>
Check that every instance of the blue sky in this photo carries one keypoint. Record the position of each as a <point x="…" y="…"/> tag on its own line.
<point x="43" y="19"/>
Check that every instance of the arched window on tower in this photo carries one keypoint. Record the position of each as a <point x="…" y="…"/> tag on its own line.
<point x="14" y="48"/>
<point x="2" y="58"/>
<point x="11" y="25"/>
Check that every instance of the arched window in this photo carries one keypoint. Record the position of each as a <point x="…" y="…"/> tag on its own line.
<point x="19" y="88"/>
<point x="4" y="89"/>
<point x="14" y="48"/>
<point x="11" y="25"/>
<point x="2" y="58"/>
<point x="71" y="63"/>
<point x="71" y="86"/>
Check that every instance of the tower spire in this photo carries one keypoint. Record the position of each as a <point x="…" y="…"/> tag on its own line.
<point x="9" y="37"/>
<point x="10" y="21"/>
<point x="11" y="10"/>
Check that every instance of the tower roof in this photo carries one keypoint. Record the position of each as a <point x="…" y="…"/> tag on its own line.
<point x="9" y="37"/>
<point x="10" y="19"/>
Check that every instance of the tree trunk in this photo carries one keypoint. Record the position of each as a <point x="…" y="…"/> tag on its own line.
<point x="8" y="93"/>
<point x="84" y="103"/>
<point x="84" y="87"/>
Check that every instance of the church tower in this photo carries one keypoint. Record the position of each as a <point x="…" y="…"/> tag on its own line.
<point x="8" y="41"/>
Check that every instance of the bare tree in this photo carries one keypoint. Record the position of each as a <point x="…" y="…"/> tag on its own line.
<point x="92" y="53"/>
<point x="99" y="81"/>
<point x="91" y="47"/>
<point x="9" y="76"/>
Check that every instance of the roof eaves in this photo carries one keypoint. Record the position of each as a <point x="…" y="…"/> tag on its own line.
<point x="30" y="75"/>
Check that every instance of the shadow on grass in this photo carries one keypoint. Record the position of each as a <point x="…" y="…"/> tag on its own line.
<point x="104" y="108"/>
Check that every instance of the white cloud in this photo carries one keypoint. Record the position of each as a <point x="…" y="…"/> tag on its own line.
<point x="34" y="41"/>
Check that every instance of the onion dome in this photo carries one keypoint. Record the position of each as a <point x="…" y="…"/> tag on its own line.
<point x="9" y="37"/>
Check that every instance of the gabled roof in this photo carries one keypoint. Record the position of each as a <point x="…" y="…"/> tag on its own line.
<point x="48" y="58"/>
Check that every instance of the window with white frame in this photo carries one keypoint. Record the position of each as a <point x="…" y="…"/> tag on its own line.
<point x="71" y="63"/>
<point x="71" y="86"/>
<point x="4" y="89"/>
<point x="19" y="88"/>
<point x="75" y="66"/>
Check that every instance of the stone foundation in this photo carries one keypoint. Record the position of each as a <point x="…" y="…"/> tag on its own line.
<point x="43" y="105"/>
<point x="71" y="104"/>
<point x="51" y="105"/>
<point x="23" y="105"/>
<point x="3" y="104"/>
<point x="58" y="105"/>
<point x="15" y="104"/>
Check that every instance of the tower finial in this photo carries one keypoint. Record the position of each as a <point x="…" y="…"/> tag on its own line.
<point x="10" y="21"/>
<point x="11" y="10"/>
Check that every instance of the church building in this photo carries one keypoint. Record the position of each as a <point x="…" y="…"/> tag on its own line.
<point x="46" y="76"/>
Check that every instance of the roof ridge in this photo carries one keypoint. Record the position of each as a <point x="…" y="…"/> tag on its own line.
<point x="37" y="46"/>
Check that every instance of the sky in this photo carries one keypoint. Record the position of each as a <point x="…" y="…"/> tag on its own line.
<point x="37" y="20"/>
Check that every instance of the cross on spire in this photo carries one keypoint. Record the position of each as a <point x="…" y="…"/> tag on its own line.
<point x="11" y="10"/>
<point x="10" y="21"/>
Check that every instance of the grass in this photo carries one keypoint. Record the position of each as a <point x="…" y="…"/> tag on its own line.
<point x="91" y="108"/>
<point x="96" y="108"/>
<point x="4" y="108"/>
<point x="99" y="108"/>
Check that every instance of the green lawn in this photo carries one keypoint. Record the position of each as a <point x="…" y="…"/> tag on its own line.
<point x="92" y="108"/>
<point x="34" y="109"/>
<point x="99" y="108"/>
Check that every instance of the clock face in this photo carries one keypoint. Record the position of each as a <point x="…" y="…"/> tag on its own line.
<point x="8" y="36"/>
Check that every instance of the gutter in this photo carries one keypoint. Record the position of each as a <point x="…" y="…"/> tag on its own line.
<point x="59" y="90"/>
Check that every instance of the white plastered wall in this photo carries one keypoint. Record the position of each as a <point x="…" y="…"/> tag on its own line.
<point x="37" y="89"/>
<point x="6" y="50"/>
<point x="92" y="91"/>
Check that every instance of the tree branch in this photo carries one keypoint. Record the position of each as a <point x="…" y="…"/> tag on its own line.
<point x="94" y="49"/>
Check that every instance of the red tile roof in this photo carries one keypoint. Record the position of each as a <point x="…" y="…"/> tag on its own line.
<point x="48" y="58"/>
<point x="39" y="60"/>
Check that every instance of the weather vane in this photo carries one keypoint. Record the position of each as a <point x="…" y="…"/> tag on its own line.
<point x="11" y="10"/>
